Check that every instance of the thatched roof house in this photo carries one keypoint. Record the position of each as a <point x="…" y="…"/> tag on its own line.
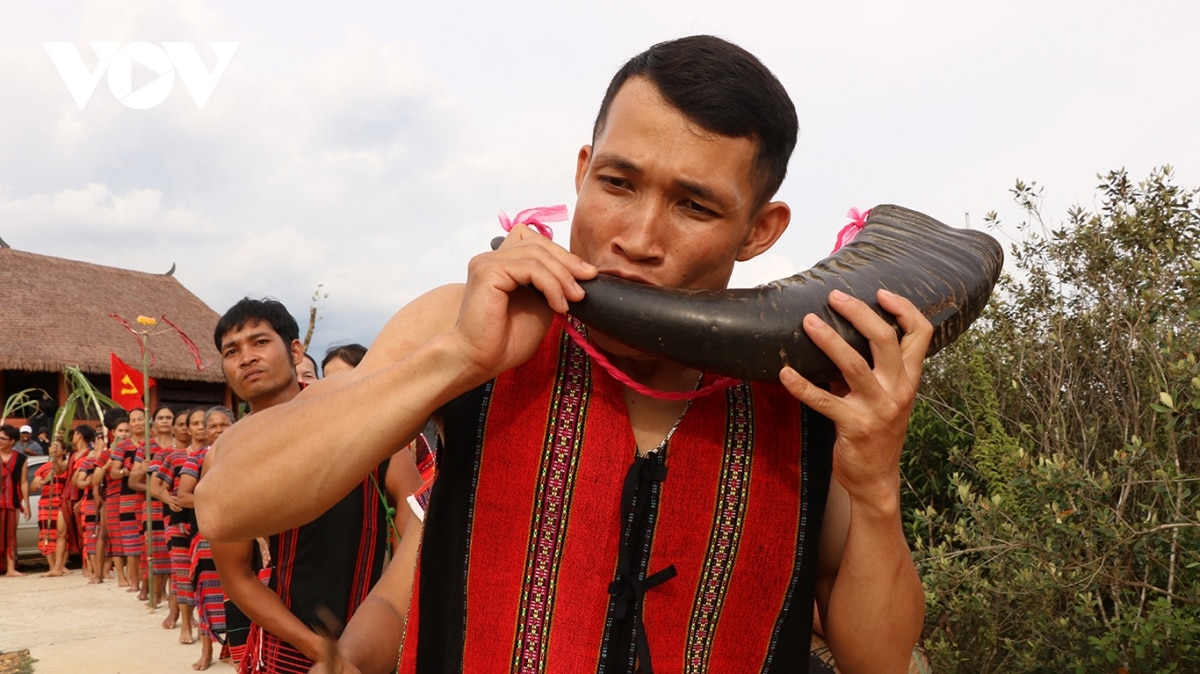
<point x="56" y="313"/>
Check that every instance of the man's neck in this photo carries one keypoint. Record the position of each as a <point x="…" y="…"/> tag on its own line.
<point x="277" y="398"/>
<point x="651" y="371"/>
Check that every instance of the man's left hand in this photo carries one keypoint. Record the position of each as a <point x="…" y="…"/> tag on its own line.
<point x="871" y="405"/>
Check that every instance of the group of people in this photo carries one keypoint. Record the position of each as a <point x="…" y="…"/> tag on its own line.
<point x="93" y="503"/>
<point x="595" y="508"/>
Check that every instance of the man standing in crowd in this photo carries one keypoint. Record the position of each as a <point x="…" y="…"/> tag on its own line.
<point x="556" y="539"/>
<point x="328" y="564"/>
<point x="27" y="445"/>
<point x="14" y="497"/>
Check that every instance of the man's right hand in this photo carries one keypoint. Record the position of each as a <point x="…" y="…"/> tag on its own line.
<point x="510" y="299"/>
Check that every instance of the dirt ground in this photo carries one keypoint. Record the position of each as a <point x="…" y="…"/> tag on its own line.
<point x="70" y="627"/>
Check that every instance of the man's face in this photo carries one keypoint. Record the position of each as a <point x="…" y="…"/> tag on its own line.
<point x="137" y="423"/>
<point x="25" y="437"/>
<point x="122" y="431"/>
<point x="257" y="363"/>
<point x="662" y="201"/>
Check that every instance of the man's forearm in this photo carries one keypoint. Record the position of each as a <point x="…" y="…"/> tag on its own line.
<point x="258" y="602"/>
<point x="389" y="406"/>
<point x="372" y="639"/>
<point x="877" y="605"/>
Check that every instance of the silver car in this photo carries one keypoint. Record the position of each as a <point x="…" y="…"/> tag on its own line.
<point x="27" y="530"/>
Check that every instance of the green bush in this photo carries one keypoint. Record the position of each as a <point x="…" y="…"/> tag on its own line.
<point x="1052" y="459"/>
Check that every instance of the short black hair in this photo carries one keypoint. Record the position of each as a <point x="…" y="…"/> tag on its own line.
<point x="113" y="417"/>
<point x="88" y="433"/>
<point x="10" y="432"/>
<point x="351" y="353"/>
<point x="267" y="310"/>
<point x="724" y="89"/>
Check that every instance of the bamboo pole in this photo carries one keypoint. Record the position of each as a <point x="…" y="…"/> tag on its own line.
<point x="149" y="498"/>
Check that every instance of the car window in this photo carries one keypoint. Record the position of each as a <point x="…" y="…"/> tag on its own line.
<point x="31" y="467"/>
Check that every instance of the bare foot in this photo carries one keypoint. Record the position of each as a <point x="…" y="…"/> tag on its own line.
<point x="52" y="574"/>
<point x="14" y="573"/>
<point x="92" y="581"/>
<point x="203" y="663"/>
<point x="170" y="622"/>
<point x="131" y="588"/>
<point x="186" y="639"/>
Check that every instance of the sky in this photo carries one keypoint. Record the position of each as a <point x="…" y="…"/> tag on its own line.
<point x="361" y="151"/>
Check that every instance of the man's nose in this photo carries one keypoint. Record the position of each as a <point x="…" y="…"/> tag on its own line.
<point x="640" y="238"/>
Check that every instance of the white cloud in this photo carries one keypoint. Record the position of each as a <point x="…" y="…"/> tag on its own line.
<point x="368" y="147"/>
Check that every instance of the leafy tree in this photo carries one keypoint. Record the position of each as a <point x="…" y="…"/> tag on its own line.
<point x="1052" y="459"/>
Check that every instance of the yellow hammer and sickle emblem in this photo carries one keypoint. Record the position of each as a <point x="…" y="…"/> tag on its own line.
<point x="128" y="388"/>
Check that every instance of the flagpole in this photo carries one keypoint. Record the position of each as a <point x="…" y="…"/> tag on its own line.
<point x="146" y="440"/>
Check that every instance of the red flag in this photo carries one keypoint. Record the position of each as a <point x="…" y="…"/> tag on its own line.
<point x="127" y="384"/>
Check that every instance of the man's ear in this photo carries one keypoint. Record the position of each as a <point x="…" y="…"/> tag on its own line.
<point x="582" y="163"/>
<point x="297" y="352"/>
<point x="770" y="224"/>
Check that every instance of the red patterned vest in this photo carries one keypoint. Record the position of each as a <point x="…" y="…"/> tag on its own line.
<point x="549" y="547"/>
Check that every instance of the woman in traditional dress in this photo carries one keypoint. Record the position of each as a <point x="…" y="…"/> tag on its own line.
<point x="89" y="509"/>
<point x="179" y="528"/>
<point x="132" y="501"/>
<point x="48" y="505"/>
<point x="181" y="543"/>
<point x="210" y="597"/>
<point x="112" y="540"/>
<point x="162" y="488"/>
<point x="149" y="460"/>
<point x="70" y="530"/>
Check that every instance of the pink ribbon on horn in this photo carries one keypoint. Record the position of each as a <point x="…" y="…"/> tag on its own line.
<point x="536" y="218"/>
<point x="857" y="222"/>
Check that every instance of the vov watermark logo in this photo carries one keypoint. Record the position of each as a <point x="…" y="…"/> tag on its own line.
<point x="166" y="61"/>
